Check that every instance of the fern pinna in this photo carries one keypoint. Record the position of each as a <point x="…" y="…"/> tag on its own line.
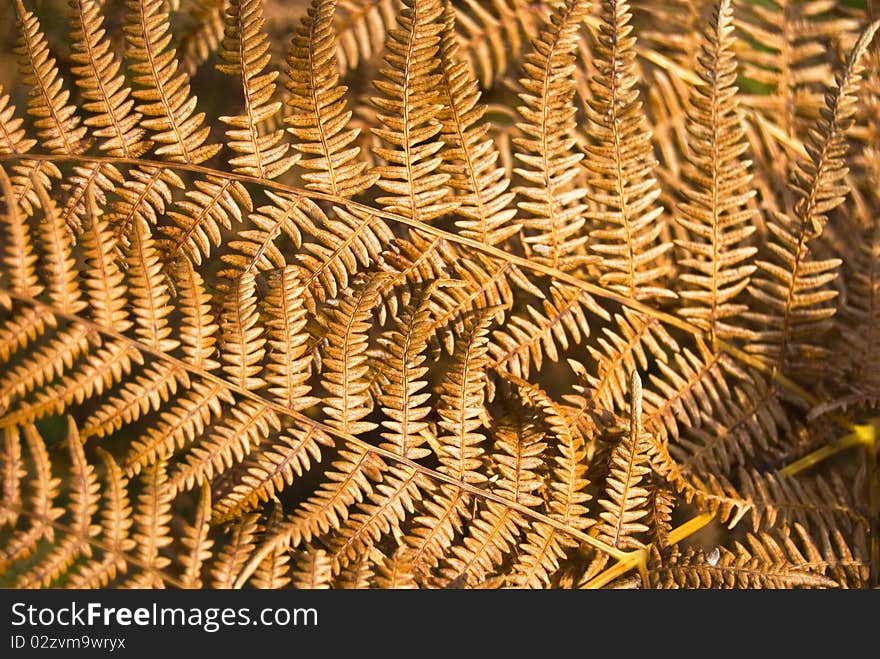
<point x="435" y="293"/>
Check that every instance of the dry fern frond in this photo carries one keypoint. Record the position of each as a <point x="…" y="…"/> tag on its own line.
<point x="380" y="328"/>
<point x="556" y="231"/>
<point x="317" y="113"/>
<point x="795" y="285"/>
<point x="163" y="87"/>
<point x="715" y="217"/>
<point x="409" y="111"/>
<point x="620" y="161"/>
<point x="244" y="55"/>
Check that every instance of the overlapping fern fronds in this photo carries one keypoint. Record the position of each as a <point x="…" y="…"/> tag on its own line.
<point x="435" y="293"/>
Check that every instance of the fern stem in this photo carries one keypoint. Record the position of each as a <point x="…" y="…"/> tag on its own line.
<point x="635" y="559"/>
<point x="690" y="527"/>
<point x="864" y="434"/>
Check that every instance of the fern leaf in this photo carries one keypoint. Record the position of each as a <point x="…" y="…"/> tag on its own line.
<point x="195" y="540"/>
<point x="244" y="55"/>
<point x="116" y="523"/>
<point x="361" y="27"/>
<point x="289" y="365"/>
<point x="197" y="328"/>
<point x="313" y="570"/>
<point x="621" y="164"/>
<point x="491" y="536"/>
<point x="626" y="496"/>
<point x="59" y="127"/>
<point x="278" y="464"/>
<point x="403" y="401"/>
<point x="381" y="513"/>
<point x="211" y="205"/>
<point x="525" y="342"/>
<point x="347" y="482"/>
<point x="185" y="420"/>
<point x="395" y="571"/>
<point x="153" y="512"/>
<point x="91" y="376"/>
<point x="148" y="291"/>
<point x="137" y="398"/>
<point x="345" y="360"/>
<point x="555" y="231"/>
<point x="434" y="531"/>
<point x="163" y="88"/>
<point x="345" y="243"/>
<point x="469" y="157"/>
<point x="317" y="113"/>
<point x="14" y="141"/>
<point x="13" y="472"/>
<point x="794" y="286"/>
<point x="715" y="217"/>
<point x="247" y="426"/>
<point x="409" y="111"/>
<point x="274" y="570"/>
<point x="108" y="98"/>
<point x="232" y="557"/>
<point x="104" y="281"/>
<point x="242" y="338"/>
<point x="19" y="272"/>
<point x="58" y="262"/>
<point x="621" y="351"/>
<point x="462" y="404"/>
<point x="42" y="512"/>
<point x="83" y="505"/>
<point x="731" y="569"/>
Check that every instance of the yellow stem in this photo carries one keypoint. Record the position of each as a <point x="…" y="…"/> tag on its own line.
<point x="690" y="527"/>
<point x="862" y="435"/>
<point x="634" y="559"/>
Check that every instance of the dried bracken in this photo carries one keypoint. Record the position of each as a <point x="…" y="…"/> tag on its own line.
<point x="440" y="294"/>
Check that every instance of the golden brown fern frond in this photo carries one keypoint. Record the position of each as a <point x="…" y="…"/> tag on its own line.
<point x="19" y="259"/>
<point x="795" y="286"/>
<point x="470" y="159"/>
<point x="349" y="373"/>
<point x="526" y="341"/>
<point x="244" y="55"/>
<point x="555" y="230"/>
<point x="205" y="36"/>
<point x="490" y="35"/>
<point x="266" y="472"/>
<point x="313" y="571"/>
<point x="14" y="140"/>
<point x="715" y="217"/>
<point x="60" y="128"/>
<point x="628" y="222"/>
<point x="163" y="87"/>
<point x="409" y="111"/>
<point x="98" y="75"/>
<point x="790" y="41"/>
<point x="345" y="366"/>
<point x="619" y="352"/>
<point x="317" y="113"/>
<point x="403" y="399"/>
<point x="362" y="26"/>
<point x="626" y="496"/>
<point x="196" y="542"/>
<point x="461" y="404"/>
<point x="83" y="505"/>
<point x="289" y="367"/>
<point x="763" y="565"/>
